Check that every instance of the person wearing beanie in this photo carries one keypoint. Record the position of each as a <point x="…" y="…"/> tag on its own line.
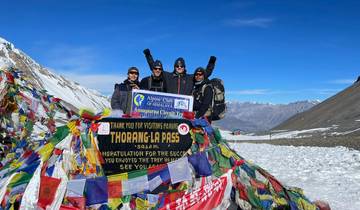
<point x="178" y="81"/>
<point x="203" y="94"/>
<point x="155" y="82"/>
<point x="121" y="98"/>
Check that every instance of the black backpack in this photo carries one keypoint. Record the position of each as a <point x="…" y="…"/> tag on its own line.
<point x="218" y="106"/>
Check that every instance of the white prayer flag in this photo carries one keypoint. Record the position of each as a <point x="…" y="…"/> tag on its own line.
<point x="179" y="170"/>
<point x="135" y="185"/>
<point x="75" y="188"/>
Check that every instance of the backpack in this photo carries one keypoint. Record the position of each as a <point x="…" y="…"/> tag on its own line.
<point x="218" y="106"/>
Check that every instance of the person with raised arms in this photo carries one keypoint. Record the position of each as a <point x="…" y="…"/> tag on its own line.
<point x="178" y="81"/>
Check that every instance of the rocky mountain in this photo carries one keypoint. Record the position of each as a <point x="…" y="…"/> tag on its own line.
<point x="340" y="112"/>
<point x="71" y="92"/>
<point x="260" y="117"/>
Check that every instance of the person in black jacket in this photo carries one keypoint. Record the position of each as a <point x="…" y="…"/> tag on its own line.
<point x="203" y="95"/>
<point x="121" y="98"/>
<point x="178" y="81"/>
<point x="155" y="82"/>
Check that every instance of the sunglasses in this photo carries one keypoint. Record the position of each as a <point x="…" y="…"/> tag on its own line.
<point x="199" y="74"/>
<point x="179" y="66"/>
<point x="157" y="68"/>
<point x="133" y="72"/>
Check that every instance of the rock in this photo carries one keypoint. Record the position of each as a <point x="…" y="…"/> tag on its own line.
<point x="322" y="205"/>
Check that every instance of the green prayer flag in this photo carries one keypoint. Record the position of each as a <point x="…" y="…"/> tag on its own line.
<point x="217" y="135"/>
<point x="223" y="161"/>
<point x="199" y="138"/>
<point x="134" y="174"/>
<point x="216" y="171"/>
<point x="253" y="198"/>
<point x="19" y="179"/>
<point x="85" y="140"/>
<point x="61" y="133"/>
<point x="126" y="199"/>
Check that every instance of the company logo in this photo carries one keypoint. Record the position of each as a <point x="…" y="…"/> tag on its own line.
<point x="183" y="129"/>
<point x="138" y="99"/>
<point x="104" y="128"/>
<point x="181" y="104"/>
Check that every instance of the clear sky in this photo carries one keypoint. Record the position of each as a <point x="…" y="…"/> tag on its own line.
<point x="268" y="51"/>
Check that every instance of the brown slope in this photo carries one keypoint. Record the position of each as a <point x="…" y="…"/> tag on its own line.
<point x="342" y="109"/>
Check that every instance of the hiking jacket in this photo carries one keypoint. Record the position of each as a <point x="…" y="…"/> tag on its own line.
<point x="203" y="96"/>
<point x="121" y="98"/>
<point x="153" y="84"/>
<point x="179" y="83"/>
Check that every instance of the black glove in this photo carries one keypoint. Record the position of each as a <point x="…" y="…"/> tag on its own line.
<point x="147" y="51"/>
<point x="212" y="60"/>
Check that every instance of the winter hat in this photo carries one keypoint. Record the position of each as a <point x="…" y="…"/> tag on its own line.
<point x="199" y="69"/>
<point x="132" y="69"/>
<point x="179" y="62"/>
<point x="157" y="63"/>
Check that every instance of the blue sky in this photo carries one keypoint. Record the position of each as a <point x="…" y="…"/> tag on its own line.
<point x="268" y="51"/>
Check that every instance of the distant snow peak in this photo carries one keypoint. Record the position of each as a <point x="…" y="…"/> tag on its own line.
<point x="255" y="116"/>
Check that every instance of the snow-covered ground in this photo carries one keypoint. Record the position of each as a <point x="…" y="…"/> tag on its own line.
<point x="330" y="174"/>
<point x="276" y="135"/>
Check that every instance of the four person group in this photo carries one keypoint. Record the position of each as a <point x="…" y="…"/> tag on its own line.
<point x="178" y="82"/>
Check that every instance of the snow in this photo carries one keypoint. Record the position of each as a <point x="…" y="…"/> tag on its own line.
<point x="2" y="40"/>
<point x="79" y="99"/>
<point x="344" y="133"/>
<point x="56" y="85"/>
<point x="330" y="174"/>
<point x="283" y="134"/>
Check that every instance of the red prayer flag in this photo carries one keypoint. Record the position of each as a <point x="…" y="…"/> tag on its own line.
<point x="276" y="184"/>
<point x="114" y="189"/>
<point x="48" y="187"/>
<point x="64" y="207"/>
<point x="78" y="202"/>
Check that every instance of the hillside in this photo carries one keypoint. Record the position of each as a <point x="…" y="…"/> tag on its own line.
<point x="341" y="112"/>
<point x="42" y="78"/>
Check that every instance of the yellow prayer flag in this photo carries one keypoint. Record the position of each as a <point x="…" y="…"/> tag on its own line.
<point x="118" y="177"/>
<point x="16" y="177"/>
<point x="72" y="127"/>
<point x="91" y="156"/>
<point x="305" y="204"/>
<point x="114" y="202"/>
<point x="106" y="112"/>
<point x="23" y="118"/>
<point x="225" y="151"/>
<point x="46" y="151"/>
<point x="280" y="201"/>
<point x="140" y="204"/>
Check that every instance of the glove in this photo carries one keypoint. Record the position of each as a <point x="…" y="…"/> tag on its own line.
<point x="146" y="51"/>
<point x="212" y="60"/>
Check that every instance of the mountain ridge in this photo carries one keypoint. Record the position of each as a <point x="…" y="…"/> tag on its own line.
<point x="254" y="116"/>
<point x="341" y="111"/>
<point x="44" y="78"/>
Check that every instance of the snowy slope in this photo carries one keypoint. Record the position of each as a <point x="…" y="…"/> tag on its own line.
<point x="283" y="134"/>
<point x="330" y="174"/>
<point x="56" y="85"/>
